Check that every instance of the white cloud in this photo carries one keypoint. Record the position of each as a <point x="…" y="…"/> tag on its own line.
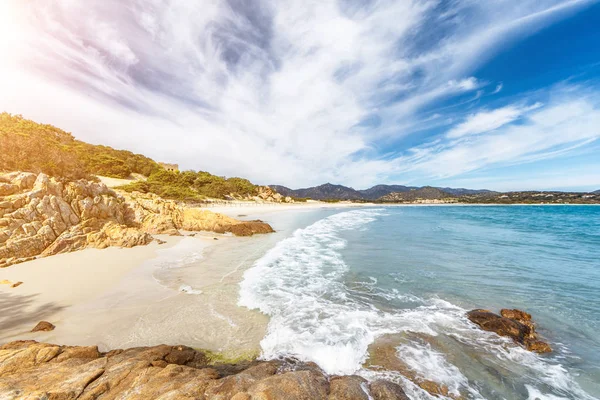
<point x="486" y="121"/>
<point x="273" y="91"/>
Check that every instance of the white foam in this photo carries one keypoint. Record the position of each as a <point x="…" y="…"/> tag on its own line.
<point x="432" y="365"/>
<point x="298" y="284"/>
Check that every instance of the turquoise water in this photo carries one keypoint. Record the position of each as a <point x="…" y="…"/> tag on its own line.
<point x="336" y="286"/>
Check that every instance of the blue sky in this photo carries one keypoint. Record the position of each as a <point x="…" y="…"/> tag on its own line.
<point x="498" y="94"/>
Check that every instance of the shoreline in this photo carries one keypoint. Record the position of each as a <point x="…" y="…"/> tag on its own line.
<point x="184" y="291"/>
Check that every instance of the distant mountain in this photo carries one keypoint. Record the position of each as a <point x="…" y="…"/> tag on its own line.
<point x="424" y="193"/>
<point x="378" y="191"/>
<point x="327" y="191"/>
<point x="429" y="194"/>
<point x="339" y="192"/>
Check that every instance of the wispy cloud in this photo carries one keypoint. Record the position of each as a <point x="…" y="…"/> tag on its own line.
<point x="294" y="92"/>
<point x="485" y="121"/>
<point x="510" y="135"/>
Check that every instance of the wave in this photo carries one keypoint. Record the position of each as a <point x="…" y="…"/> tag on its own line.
<point x="315" y="316"/>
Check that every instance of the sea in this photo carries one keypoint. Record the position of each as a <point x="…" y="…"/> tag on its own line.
<point x="347" y="283"/>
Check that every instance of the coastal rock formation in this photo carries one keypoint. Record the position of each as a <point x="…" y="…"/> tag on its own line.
<point x="42" y="216"/>
<point x="515" y="324"/>
<point x="29" y="369"/>
<point x="264" y="195"/>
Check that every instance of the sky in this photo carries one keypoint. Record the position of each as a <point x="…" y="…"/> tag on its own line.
<point x="495" y="94"/>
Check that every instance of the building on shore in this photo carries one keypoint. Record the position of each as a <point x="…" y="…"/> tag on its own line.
<point x="169" y="167"/>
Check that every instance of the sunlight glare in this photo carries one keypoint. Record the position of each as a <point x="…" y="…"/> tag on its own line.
<point x="12" y="29"/>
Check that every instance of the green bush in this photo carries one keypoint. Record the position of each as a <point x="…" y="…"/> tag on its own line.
<point x="28" y="146"/>
<point x="189" y="185"/>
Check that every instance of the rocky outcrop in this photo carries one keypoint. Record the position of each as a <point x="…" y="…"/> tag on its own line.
<point x="264" y="195"/>
<point x="41" y="216"/>
<point x="38" y="370"/>
<point x="515" y="324"/>
<point x="44" y="326"/>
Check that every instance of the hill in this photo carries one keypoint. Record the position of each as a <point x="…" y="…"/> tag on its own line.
<point x="28" y="146"/>
<point x="379" y="191"/>
<point x="425" y="193"/>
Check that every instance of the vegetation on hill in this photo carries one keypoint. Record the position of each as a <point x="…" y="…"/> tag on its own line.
<point x="488" y="197"/>
<point x="424" y="193"/>
<point x="191" y="185"/>
<point x="28" y="146"/>
<point x="531" y="197"/>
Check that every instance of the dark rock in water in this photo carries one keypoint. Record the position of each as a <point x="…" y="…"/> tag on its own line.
<point x="29" y="369"/>
<point x="538" y="346"/>
<point x="43" y="326"/>
<point x="383" y="355"/>
<point x="489" y="321"/>
<point x="385" y="390"/>
<point x="521" y="317"/>
<point x="515" y="324"/>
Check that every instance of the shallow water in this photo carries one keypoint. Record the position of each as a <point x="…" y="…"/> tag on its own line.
<point x="333" y="288"/>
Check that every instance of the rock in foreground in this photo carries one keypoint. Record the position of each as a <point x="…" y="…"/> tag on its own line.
<point x="515" y="324"/>
<point x="44" y="326"/>
<point x="45" y="371"/>
<point x="41" y="216"/>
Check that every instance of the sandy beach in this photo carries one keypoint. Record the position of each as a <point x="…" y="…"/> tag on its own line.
<point x="182" y="292"/>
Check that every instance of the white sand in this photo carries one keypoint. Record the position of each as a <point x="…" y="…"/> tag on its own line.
<point x="118" y="298"/>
